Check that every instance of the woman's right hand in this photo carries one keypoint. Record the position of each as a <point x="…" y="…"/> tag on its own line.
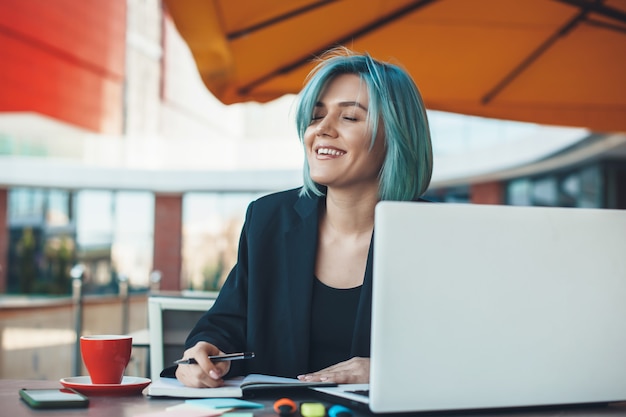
<point x="205" y="374"/>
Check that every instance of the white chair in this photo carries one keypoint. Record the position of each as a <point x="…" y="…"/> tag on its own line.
<point x="170" y="318"/>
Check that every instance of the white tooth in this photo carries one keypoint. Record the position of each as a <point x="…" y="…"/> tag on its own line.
<point x="327" y="151"/>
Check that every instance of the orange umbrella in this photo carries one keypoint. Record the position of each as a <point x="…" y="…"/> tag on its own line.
<point x="560" y="62"/>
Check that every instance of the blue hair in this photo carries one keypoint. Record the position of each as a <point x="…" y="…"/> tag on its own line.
<point x="394" y="99"/>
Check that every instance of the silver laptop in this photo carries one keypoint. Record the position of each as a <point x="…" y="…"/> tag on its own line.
<point x="482" y="307"/>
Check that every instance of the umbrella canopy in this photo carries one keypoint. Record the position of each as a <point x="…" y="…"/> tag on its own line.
<point x="559" y="62"/>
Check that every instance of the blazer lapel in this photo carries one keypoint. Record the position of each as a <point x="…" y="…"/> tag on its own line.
<point x="301" y="243"/>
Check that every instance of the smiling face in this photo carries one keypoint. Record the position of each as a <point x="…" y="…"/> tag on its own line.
<point x="338" y="139"/>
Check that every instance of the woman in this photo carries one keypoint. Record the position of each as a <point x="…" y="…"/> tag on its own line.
<point x="300" y="293"/>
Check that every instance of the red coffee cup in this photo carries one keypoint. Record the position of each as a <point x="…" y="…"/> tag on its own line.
<point x="106" y="357"/>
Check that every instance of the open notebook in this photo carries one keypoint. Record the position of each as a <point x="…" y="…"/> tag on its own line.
<point x="478" y="307"/>
<point x="233" y="388"/>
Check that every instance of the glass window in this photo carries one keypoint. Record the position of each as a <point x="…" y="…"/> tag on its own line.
<point x="614" y="184"/>
<point x="544" y="192"/>
<point x="518" y="192"/>
<point x="211" y="227"/>
<point x="94" y="238"/>
<point x="575" y="188"/>
<point x="41" y="241"/>
<point x="590" y="187"/>
<point x="58" y="208"/>
<point x="569" y="189"/>
<point x="110" y="233"/>
<point x="94" y="218"/>
<point x="59" y="242"/>
<point x="133" y="236"/>
<point x="26" y="206"/>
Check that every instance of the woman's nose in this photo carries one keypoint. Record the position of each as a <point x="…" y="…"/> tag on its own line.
<point x="325" y="127"/>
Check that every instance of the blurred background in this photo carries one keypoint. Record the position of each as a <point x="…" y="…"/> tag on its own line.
<point x="133" y="134"/>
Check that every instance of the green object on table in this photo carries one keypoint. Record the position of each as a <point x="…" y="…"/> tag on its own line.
<point x="312" y="410"/>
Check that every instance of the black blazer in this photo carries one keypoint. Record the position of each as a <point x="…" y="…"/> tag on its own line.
<point x="265" y="303"/>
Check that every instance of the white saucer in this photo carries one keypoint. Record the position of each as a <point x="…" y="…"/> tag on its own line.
<point x="130" y="385"/>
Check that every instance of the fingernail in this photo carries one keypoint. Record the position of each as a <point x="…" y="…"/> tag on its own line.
<point x="323" y="378"/>
<point x="214" y="375"/>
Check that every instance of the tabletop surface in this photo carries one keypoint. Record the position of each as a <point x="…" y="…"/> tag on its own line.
<point x="136" y="405"/>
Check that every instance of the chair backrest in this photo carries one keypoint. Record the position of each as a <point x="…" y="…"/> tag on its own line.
<point x="170" y="319"/>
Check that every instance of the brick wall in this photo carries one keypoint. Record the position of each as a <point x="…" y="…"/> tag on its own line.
<point x="4" y="238"/>
<point x="168" y="240"/>
<point x="487" y="193"/>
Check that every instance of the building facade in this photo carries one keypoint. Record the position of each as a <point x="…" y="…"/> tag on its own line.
<point x="114" y="155"/>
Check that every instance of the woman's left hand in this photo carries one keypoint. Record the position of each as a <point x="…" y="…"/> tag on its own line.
<point x="352" y="371"/>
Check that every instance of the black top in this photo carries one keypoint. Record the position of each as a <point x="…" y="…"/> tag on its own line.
<point x="333" y="314"/>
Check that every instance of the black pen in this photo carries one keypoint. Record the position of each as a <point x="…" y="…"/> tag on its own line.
<point x="219" y="358"/>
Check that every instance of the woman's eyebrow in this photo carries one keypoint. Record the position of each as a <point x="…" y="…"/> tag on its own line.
<point x="344" y="104"/>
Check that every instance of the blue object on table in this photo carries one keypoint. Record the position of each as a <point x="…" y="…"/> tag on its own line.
<point x="339" y="411"/>
<point x="224" y="403"/>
